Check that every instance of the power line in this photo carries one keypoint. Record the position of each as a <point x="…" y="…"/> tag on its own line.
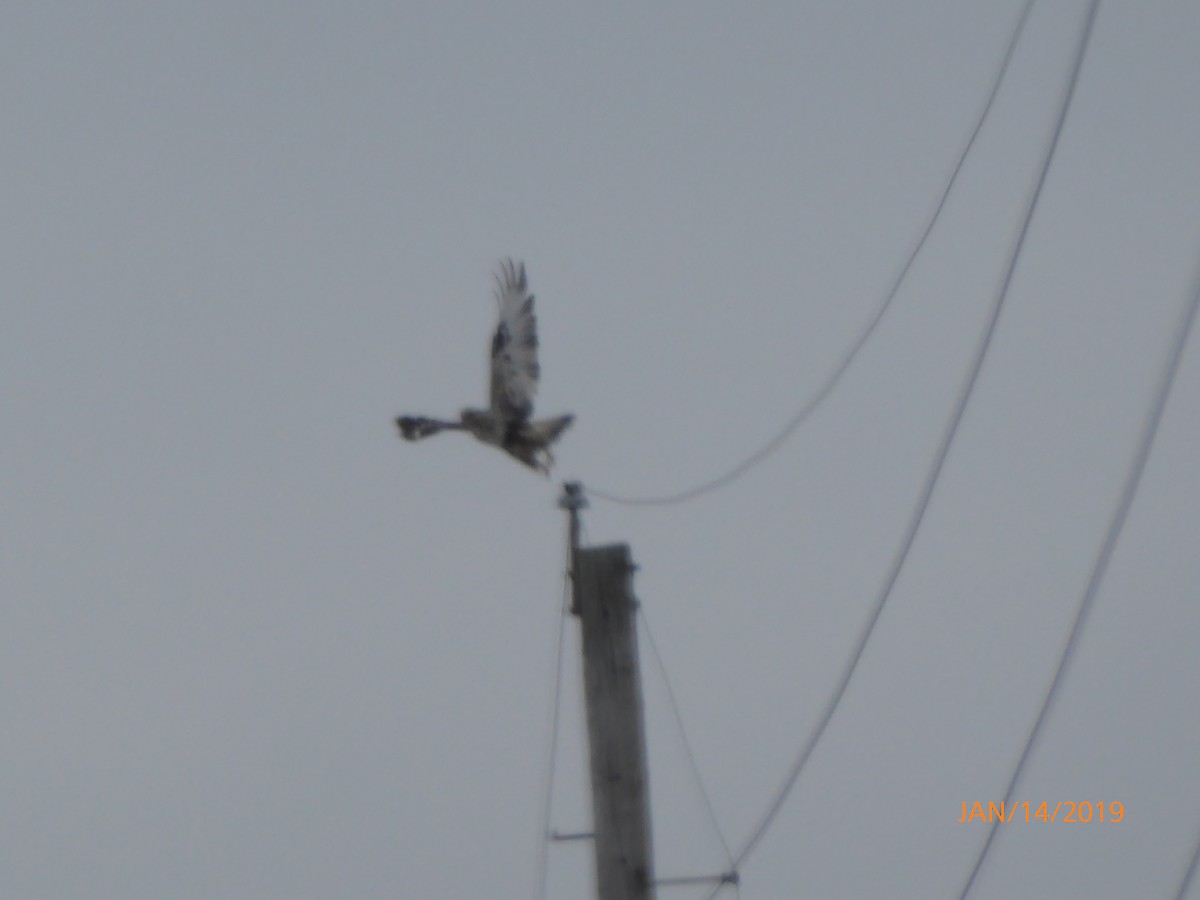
<point x="539" y="889"/>
<point x="934" y="472"/>
<point x="687" y="746"/>
<point x="1189" y="874"/>
<point x="1115" y="526"/>
<point x="826" y="388"/>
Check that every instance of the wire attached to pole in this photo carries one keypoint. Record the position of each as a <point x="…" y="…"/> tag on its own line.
<point x="1189" y="874"/>
<point x="826" y="388"/>
<point x="572" y="500"/>
<point x="935" y="471"/>
<point x="1115" y="527"/>
<point x="729" y="876"/>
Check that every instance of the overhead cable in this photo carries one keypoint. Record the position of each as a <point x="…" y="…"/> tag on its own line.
<point x="935" y="470"/>
<point x="552" y="728"/>
<point x="683" y="738"/>
<point x="826" y="387"/>
<point x="1115" y="526"/>
<point x="1189" y="874"/>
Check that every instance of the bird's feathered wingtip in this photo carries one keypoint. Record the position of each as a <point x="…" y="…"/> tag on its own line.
<point x="510" y="278"/>
<point x="413" y="428"/>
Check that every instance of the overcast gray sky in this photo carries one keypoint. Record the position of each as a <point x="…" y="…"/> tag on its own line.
<point x="255" y="646"/>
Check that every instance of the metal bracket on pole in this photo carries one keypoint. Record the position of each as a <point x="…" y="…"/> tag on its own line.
<point x="573" y="836"/>
<point x="722" y="878"/>
<point x="573" y="500"/>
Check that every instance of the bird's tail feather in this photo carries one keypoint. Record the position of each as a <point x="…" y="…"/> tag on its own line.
<point x="548" y="430"/>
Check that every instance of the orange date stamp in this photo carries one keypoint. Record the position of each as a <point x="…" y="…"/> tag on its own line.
<point x="1064" y="811"/>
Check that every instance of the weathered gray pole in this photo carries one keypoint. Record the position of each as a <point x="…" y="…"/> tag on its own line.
<point x="604" y="603"/>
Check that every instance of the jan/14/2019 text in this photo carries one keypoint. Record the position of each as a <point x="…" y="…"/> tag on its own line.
<point x="1065" y="811"/>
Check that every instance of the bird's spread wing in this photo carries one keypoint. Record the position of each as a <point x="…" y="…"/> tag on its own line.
<point x="514" y="348"/>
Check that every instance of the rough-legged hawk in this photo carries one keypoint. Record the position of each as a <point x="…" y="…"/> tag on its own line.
<point x="507" y="424"/>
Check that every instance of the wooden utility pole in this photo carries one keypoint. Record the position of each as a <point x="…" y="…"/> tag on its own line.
<point x="603" y="601"/>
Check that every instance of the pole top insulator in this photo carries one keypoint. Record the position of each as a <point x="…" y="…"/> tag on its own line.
<point x="572" y="496"/>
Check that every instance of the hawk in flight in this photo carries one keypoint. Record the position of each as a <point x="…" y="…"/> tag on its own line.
<point x="506" y="423"/>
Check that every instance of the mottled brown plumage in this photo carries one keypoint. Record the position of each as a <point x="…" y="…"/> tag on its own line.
<point x="514" y="376"/>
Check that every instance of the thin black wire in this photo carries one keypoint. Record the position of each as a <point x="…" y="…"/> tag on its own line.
<point x="810" y="406"/>
<point x="931" y="478"/>
<point x="539" y="890"/>
<point x="1115" y="526"/>
<point x="687" y="746"/>
<point x="1189" y="874"/>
